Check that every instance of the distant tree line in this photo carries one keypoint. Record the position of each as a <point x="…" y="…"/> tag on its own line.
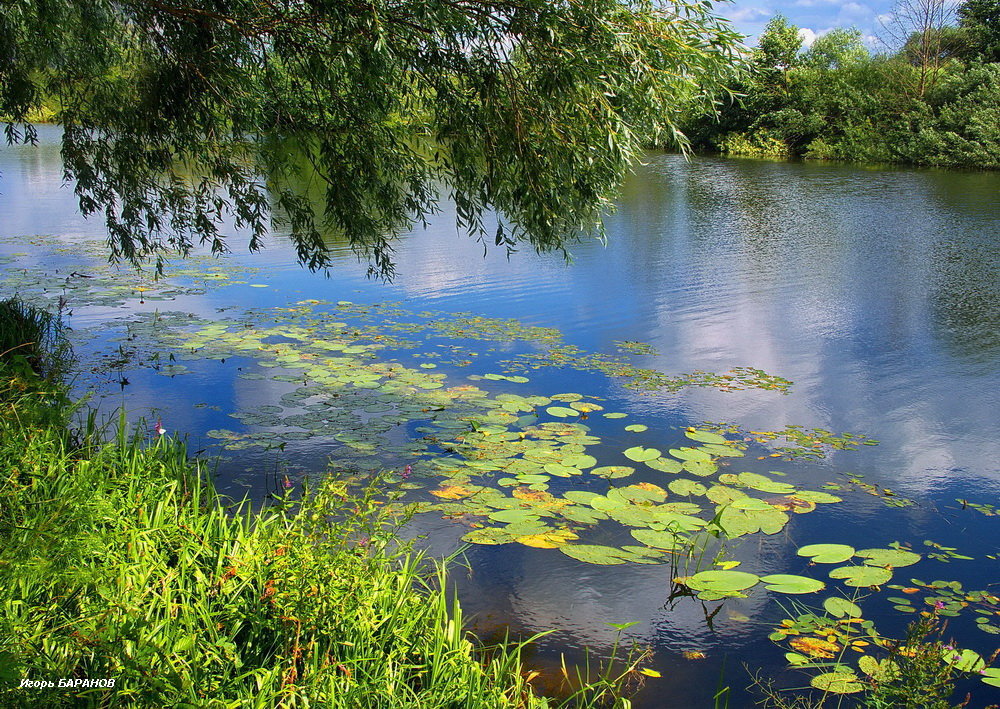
<point x="932" y="99"/>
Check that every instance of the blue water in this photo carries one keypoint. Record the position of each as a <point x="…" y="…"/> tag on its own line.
<point x="877" y="292"/>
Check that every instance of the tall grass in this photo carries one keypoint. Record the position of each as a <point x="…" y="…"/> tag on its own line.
<point x="118" y="561"/>
<point x="31" y="346"/>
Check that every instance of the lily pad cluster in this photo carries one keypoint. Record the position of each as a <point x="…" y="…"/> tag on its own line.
<point x="844" y="652"/>
<point x="949" y="599"/>
<point x="644" y="379"/>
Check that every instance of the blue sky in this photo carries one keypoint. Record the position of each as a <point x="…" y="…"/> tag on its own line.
<point x="815" y="17"/>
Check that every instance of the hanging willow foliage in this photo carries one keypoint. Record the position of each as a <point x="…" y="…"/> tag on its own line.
<point x="350" y="119"/>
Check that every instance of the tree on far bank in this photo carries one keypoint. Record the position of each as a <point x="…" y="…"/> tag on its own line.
<point x="919" y="30"/>
<point x="980" y="19"/>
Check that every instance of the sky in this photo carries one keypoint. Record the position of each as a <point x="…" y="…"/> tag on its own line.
<point x="814" y="17"/>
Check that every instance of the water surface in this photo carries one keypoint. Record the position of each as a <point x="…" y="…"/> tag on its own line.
<point x="877" y="292"/>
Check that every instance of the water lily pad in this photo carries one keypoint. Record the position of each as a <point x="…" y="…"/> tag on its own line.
<point x="685" y="487"/>
<point x="595" y="554"/>
<point x="664" y="465"/>
<point x="488" y="535"/>
<point x="815" y="647"/>
<point x="878" y="670"/>
<point x="789" y="583"/>
<point x="827" y="553"/>
<point x="704" y="436"/>
<point x="820" y="498"/>
<point x="640" y="454"/>
<point x="514" y="515"/>
<point x="688" y="453"/>
<point x="548" y="540"/>
<point x="723" y="495"/>
<point x="840" y="607"/>
<point x="560" y="470"/>
<point x="837" y="683"/>
<point x="579" y="460"/>
<point x="889" y="557"/>
<point x="637" y="428"/>
<point x="963" y="660"/>
<point x="582" y="497"/>
<point x="722" y="581"/>
<point x="991" y="676"/>
<point x="612" y="471"/>
<point x="562" y="411"/>
<point x="658" y="539"/>
<point x="765" y="484"/>
<point x="861" y="576"/>
<point x="796" y="660"/>
<point x="701" y="468"/>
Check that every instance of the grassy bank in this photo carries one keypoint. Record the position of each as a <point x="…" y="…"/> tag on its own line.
<point x="119" y="562"/>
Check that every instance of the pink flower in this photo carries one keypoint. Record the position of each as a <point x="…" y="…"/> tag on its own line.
<point x="407" y="472"/>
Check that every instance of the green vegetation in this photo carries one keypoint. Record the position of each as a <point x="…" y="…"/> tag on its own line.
<point x="117" y="561"/>
<point x="935" y="100"/>
<point x="181" y="112"/>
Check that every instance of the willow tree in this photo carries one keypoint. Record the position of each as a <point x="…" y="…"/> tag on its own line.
<point x="178" y="114"/>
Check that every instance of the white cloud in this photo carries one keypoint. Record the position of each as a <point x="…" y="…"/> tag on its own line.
<point x="851" y="9"/>
<point x="749" y="14"/>
<point x="807" y="36"/>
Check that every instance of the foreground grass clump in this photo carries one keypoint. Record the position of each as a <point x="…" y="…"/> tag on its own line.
<point x="117" y="561"/>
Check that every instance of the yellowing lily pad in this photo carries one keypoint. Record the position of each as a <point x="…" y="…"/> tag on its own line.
<point x="837" y="683"/>
<point x="815" y="647"/>
<point x="548" y="540"/>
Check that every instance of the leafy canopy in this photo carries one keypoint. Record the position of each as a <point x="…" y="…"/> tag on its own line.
<point x="178" y="114"/>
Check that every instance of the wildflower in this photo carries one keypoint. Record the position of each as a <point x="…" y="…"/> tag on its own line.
<point x="939" y="604"/>
<point x="159" y="429"/>
<point x="287" y="484"/>
<point x="364" y="541"/>
<point x="407" y="472"/>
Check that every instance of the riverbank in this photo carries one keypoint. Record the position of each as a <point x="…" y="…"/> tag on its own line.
<point x="127" y="581"/>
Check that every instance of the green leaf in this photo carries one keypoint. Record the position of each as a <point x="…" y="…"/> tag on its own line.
<point x="488" y="535"/>
<point x="889" y="557"/>
<point x="705" y="436"/>
<point x="658" y="540"/>
<point x="562" y="411"/>
<point x="640" y="454"/>
<point x="789" y="583"/>
<point x="837" y="683"/>
<point x="722" y="581"/>
<point x="664" y="465"/>
<point x="685" y="487"/>
<point x="963" y="660"/>
<point x="840" y="607"/>
<point x="612" y="471"/>
<point x="861" y="576"/>
<point x="827" y="553"/>
<point x="595" y="554"/>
